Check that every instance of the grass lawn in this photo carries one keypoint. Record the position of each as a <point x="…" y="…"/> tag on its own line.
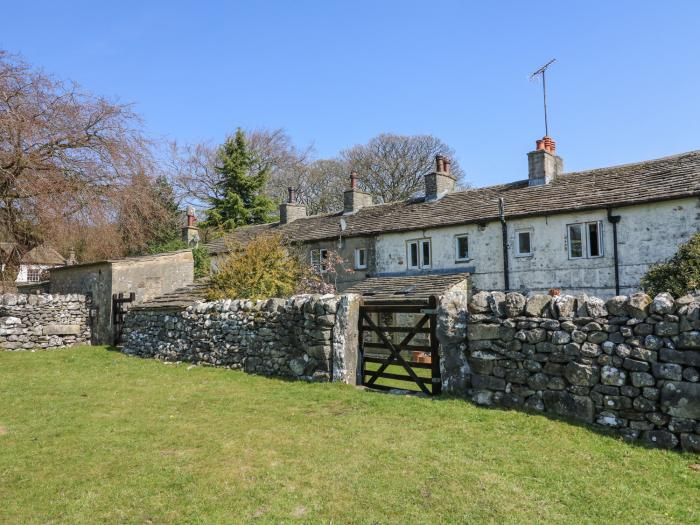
<point x="91" y="436"/>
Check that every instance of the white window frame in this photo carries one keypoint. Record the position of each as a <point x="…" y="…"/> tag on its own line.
<point x="419" y="243"/>
<point x="358" y="264"/>
<point x="31" y="272"/>
<point x="457" y="238"/>
<point x="530" y="232"/>
<point x="317" y="257"/>
<point x="423" y="265"/>
<point x="585" y="236"/>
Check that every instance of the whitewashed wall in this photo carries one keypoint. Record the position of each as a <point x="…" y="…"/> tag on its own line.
<point x="24" y="269"/>
<point x="646" y="234"/>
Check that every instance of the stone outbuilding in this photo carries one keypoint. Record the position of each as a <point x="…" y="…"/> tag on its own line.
<point x="146" y="277"/>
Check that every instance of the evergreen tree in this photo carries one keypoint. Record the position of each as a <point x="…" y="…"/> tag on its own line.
<point x="240" y="197"/>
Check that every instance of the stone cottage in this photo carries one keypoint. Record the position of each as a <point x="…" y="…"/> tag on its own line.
<point x="595" y="231"/>
<point x="36" y="263"/>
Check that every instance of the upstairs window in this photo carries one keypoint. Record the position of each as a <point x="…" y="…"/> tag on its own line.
<point x="33" y="275"/>
<point x="585" y="240"/>
<point x="461" y="248"/>
<point x="523" y="243"/>
<point x="360" y="259"/>
<point x="418" y="254"/>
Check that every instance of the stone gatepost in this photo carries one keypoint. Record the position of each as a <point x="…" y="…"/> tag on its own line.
<point x="345" y="339"/>
<point x="452" y="336"/>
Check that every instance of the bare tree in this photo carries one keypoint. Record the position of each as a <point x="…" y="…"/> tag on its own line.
<point x="67" y="161"/>
<point x="392" y="167"/>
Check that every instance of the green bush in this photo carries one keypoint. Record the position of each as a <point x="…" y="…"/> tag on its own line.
<point x="679" y="275"/>
<point x="263" y="268"/>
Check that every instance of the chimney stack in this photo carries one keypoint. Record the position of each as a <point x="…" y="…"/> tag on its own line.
<point x="355" y="199"/>
<point x="543" y="165"/>
<point x="291" y="210"/>
<point x="441" y="181"/>
<point x="190" y="233"/>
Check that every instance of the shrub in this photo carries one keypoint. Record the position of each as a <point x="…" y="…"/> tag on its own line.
<point x="268" y="267"/>
<point x="679" y="275"/>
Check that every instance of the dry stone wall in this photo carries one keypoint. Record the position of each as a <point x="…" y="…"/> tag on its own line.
<point x="631" y="364"/>
<point x="288" y="338"/>
<point x="43" y="321"/>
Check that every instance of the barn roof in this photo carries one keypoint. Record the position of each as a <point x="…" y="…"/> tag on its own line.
<point x="642" y="182"/>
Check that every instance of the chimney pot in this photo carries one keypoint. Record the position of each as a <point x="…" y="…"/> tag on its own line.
<point x="439" y="163"/>
<point x="291" y="199"/>
<point x="353" y="180"/>
<point x="448" y="165"/>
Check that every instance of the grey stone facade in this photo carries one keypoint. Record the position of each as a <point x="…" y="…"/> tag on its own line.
<point x="43" y="321"/>
<point x="629" y="364"/>
<point x="147" y="277"/>
<point x="288" y="338"/>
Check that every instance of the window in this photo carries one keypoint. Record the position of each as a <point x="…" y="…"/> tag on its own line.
<point x="319" y="260"/>
<point x="461" y="247"/>
<point x="360" y="259"/>
<point x="33" y="275"/>
<point x="523" y="243"/>
<point x="585" y="240"/>
<point x="413" y="254"/>
<point x="419" y="254"/>
<point x="425" y="253"/>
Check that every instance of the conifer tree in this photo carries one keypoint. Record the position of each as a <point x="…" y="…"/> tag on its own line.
<point x="240" y="197"/>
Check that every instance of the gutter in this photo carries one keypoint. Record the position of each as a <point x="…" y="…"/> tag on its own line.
<point x="504" y="233"/>
<point x="614" y="220"/>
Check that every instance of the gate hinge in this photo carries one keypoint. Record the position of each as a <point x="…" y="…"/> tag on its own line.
<point x="437" y="380"/>
<point x="429" y="311"/>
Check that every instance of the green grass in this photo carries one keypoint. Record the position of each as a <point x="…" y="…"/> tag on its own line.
<point x="400" y="370"/>
<point x="92" y="436"/>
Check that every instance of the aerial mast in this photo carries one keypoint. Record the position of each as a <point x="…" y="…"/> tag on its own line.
<point x="541" y="72"/>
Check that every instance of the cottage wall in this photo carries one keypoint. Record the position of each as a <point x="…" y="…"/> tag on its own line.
<point x="43" y="321"/>
<point x="647" y="234"/>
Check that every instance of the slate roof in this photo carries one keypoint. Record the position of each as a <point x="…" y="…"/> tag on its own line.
<point x="43" y="254"/>
<point x="134" y="258"/>
<point x="179" y="298"/>
<point x="408" y="286"/>
<point x="654" y="180"/>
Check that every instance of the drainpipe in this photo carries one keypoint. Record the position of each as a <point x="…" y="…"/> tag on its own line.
<point x="504" y="231"/>
<point x="614" y="219"/>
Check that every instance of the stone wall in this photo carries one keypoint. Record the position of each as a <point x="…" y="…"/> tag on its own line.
<point x="629" y="364"/>
<point x="43" y="321"/>
<point x="288" y="338"/>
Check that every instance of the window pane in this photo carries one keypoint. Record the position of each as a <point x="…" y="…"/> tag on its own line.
<point x="413" y="254"/>
<point x="593" y="239"/>
<point x="575" y="241"/>
<point x="462" y="247"/>
<point x="524" y="242"/>
<point x="425" y="246"/>
<point x="360" y="258"/>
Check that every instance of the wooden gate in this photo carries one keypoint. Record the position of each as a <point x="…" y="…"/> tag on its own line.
<point x="119" y="308"/>
<point x="388" y="360"/>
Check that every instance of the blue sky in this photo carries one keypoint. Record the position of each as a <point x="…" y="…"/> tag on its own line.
<point x="626" y="85"/>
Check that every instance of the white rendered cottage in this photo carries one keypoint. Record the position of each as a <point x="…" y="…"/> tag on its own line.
<point x="595" y="231"/>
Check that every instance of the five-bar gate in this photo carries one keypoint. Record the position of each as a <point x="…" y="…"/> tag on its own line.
<point x="398" y="347"/>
